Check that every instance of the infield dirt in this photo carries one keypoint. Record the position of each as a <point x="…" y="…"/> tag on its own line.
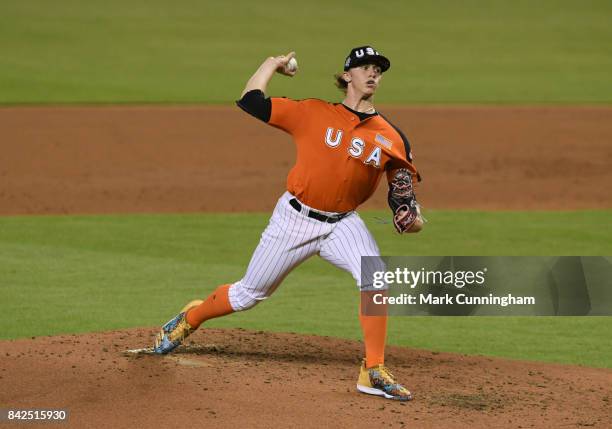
<point x="237" y="378"/>
<point x="183" y="159"/>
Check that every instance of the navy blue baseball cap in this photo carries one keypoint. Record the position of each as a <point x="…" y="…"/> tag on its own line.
<point x="366" y="55"/>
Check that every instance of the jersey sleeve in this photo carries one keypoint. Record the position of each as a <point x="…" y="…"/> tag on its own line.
<point x="401" y="159"/>
<point x="256" y="104"/>
<point x="286" y="114"/>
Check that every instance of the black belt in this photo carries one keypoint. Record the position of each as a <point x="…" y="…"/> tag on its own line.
<point x="316" y="215"/>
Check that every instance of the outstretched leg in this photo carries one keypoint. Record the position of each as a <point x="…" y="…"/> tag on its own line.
<point x="289" y="239"/>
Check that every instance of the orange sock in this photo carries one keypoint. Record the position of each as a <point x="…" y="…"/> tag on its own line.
<point x="217" y="304"/>
<point x="374" y="331"/>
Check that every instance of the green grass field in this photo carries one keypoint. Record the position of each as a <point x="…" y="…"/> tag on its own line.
<point x="63" y="274"/>
<point x="443" y="51"/>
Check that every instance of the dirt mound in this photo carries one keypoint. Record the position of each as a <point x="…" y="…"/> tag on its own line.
<point x="238" y="378"/>
<point x="185" y="159"/>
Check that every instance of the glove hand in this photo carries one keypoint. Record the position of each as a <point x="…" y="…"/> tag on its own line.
<point x="408" y="219"/>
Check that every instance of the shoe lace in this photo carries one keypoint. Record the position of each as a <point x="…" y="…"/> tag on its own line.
<point x="386" y="374"/>
<point x="182" y="330"/>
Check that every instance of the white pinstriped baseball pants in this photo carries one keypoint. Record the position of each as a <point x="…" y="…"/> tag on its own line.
<point x="290" y="238"/>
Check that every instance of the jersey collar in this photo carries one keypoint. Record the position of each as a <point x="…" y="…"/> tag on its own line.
<point x="359" y="114"/>
<point x="351" y="116"/>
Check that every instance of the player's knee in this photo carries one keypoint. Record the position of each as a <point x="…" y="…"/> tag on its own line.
<point x="372" y="274"/>
<point x="242" y="297"/>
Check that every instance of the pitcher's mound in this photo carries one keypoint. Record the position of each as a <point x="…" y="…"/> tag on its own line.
<point x="237" y="378"/>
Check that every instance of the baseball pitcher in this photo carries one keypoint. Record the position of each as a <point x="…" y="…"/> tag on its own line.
<point x="343" y="150"/>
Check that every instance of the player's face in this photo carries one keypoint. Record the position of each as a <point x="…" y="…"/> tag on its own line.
<point x="366" y="78"/>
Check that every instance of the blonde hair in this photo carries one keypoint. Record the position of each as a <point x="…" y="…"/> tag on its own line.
<point x="340" y="83"/>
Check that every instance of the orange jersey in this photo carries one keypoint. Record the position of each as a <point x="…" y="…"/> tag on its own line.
<point x="340" y="159"/>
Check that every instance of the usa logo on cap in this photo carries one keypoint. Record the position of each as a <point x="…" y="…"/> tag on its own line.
<point x="366" y="55"/>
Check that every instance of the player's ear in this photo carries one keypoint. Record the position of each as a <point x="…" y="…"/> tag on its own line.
<point x="346" y="77"/>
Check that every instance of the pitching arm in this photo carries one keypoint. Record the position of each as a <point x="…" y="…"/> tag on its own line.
<point x="266" y="70"/>
<point x="253" y="99"/>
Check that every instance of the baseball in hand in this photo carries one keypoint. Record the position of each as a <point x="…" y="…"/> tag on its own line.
<point x="291" y="66"/>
